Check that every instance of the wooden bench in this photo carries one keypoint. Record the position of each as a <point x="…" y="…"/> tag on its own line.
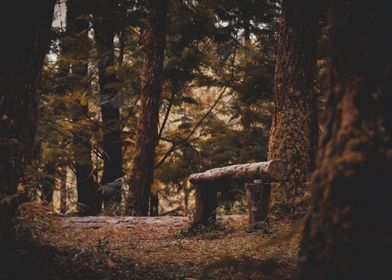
<point x="257" y="178"/>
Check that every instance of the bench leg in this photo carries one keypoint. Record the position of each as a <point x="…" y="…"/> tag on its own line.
<point x="206" y="203"/>
<point x="258" y="198"/>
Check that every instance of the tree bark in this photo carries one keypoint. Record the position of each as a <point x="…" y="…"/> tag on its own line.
<point x="348" y="231"/>
<point x="257" y="195"/>
<point x="26" y="41"/>
<point x="76" y="49"/>
<point x="294" y="131"/>
<point x="111" y="125"/>
<point x="271" y="171"/>
<point x="142" y="173"/>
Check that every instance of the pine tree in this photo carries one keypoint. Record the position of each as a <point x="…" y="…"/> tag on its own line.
<point x="142" y="173"/>
<point x="294" y="131"/>
<point x="111" y="126"/>
<point x="76" y="46"/>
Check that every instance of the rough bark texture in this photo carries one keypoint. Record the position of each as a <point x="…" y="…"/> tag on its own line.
<point x="294" y="130"/>
<point x="76" y="49"/>
<point x="111" y="125"/>
<point x="26" y="41"/>
<point x="142" y="173"/>
<point x="257" y="195"/>
<point x="348" y="232"/>
<point x="271" y="171"/>
<point x="206" y="203"/>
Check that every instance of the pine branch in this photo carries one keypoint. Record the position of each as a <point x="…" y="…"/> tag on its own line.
<point x="176" y="145"/>
<point x="171" y="101"/>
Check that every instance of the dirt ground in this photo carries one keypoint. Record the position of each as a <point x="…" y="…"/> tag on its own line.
<point x="53" y="247"/>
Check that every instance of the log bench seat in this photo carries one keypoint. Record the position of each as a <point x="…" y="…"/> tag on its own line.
<point x="257" y="178"/>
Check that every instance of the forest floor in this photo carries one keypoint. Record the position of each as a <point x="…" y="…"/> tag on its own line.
<point x="53" y="247"/>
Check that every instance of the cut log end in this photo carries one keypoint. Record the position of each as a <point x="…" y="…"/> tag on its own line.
<point x="277" y="169"/>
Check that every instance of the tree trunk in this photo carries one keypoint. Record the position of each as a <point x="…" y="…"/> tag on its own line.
<point x="348" y="231"/>
<point x="111" y="125"/>
<point x="63" y="191"/>
<point x="186" y="197"/>
<point x="154" y="204"/>
<point x="49" y="184"/>
<point x="142" y="173"/>
<point x="26" y="40"/>
<point x="77" y="49"/>
<point x="89" y="198"/>
<point x="294" y="131"/>
<point x="257" y="195"/>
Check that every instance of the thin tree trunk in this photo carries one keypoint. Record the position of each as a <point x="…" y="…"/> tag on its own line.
<point x="247" y="32"/>
<point x="63" y="191"/>
<point x="348" y="231"/>
<point x="186" y="197"/>
<point x="122" y="39"/>
<point x="142" y="174"/>
<point x="154" y="204"/>
<point x="104" y="36"/>
<point x="49" y="184"/>
<point x="294" y="130"/>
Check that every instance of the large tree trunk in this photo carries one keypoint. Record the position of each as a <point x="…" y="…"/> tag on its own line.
<point x="348" y="232"/>
<point x="111" y="125"/>
<point x="26" y="40"/>
<point x="77" y="48"/>
<point x="294" y="131"/>
<point x="142" y="173"/>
